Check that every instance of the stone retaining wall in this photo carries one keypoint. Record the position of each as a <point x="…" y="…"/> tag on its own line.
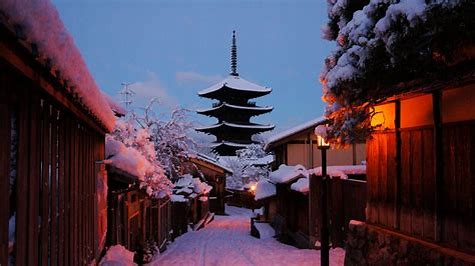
<point x="372" y="245"/>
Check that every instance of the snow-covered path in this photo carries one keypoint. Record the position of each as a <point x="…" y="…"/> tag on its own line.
<point x="226" y="241"/>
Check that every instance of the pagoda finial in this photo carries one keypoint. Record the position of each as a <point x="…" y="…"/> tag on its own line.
<point x="234" y="56"/>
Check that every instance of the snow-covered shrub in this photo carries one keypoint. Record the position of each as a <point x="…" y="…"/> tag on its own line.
<point x="170" y="138"/>
<point x="130" y="149"/>
<point x="381" y="43"/>
<point x="248" y="166"/>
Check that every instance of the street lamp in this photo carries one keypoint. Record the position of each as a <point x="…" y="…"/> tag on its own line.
<point x="323" y="146"/>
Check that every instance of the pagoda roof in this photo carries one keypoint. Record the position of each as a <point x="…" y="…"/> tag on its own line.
<point x="236" y="83"/>
<point x="227" y="125"/>
<point x="229" y="144"/>
<point x="224" y="106"/>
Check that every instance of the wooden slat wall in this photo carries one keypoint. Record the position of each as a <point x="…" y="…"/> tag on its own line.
<point x="5" y="136"/>
<point x="459" y="186"/>
<point x="55" y="196"/>
<point x="417" y="209"/>
<point x="381" y="177"/>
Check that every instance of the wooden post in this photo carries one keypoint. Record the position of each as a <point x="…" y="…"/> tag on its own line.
<point x="438" y="162"/>
<point x="324" y="255"/>
<point x="397" y="188"/>
<point x="312" y="210"/>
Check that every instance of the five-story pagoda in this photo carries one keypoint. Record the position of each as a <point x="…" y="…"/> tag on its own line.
<point x="233" y="110"/>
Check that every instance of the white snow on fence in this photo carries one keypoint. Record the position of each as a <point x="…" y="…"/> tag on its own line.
<point x="287" y="173"/>
<point x="264" y="189"/>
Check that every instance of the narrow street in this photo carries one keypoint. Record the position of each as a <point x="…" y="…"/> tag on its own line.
<point x="226" y="241"/>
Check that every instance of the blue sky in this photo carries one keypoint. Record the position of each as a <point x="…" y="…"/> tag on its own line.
<point x="173" y="49"/>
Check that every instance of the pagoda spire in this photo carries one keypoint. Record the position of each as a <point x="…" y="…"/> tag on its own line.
<point x="234" y="56"/>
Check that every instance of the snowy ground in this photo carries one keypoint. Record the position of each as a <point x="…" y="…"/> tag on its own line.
<point x="226" y="241"/>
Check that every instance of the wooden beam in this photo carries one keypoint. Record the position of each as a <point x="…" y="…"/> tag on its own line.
<point x="438" y="161"/>
<point x="397" y="188"/>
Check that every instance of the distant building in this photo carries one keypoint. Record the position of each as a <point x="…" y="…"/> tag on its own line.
<point x="234" y="130"/>
<point x="298" y="145"/>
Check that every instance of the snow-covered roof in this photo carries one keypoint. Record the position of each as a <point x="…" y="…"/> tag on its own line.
<point x="264" y="189"/>
<point x="188" y="181"/>
<point x="42" y="26"/>
<point x="115" y="106"/>
<point x="292" y="131"/>
<point x="210" y="160"/>
<point x="237" y="83"/>
<point x="288" y="173"/>
<point x="252" y="108"/>
<point x="233" y="125"/>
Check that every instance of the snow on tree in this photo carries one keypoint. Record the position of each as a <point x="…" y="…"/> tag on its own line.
<point x="381" y="43"/>
<point x="171" y="139"/>
<point x="131" y="149"/>
<point x="248" y="166"/>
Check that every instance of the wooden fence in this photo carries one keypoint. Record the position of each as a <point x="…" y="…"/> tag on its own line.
<point x="346" y="201"/>
<point x="135" y="218"/>
<point x="47" y="177"/>
<point x="403" y="191"/>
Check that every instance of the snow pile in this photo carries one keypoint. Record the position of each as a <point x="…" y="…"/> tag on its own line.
<point x="265" y="230"/>
<point x="118" y="256"/>
<point x="341" y="171"/>
<point x="287" y="173"/>
<point x="42" y="26"/>
<point x="264" y="189"/>
<point x="302" y="185"/>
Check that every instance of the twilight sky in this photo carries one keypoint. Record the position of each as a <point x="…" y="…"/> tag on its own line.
<point x="173" y="49"/>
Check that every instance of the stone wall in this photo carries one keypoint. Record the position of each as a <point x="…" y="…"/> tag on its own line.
<point x="372" y="245"/>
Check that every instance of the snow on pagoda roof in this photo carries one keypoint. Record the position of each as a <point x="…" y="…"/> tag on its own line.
<point x="237" y="83"/>
<point x="253" y="108"/>
<point x="292" y="131"/>
<point x="254" y="126"/>
<point x="228" y="143"/>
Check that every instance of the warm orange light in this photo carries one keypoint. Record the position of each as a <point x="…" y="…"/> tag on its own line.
<point x="322" y="143"/>
<point x="253" y="188"/>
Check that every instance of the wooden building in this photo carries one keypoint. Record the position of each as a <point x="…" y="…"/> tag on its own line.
<point x="190" y="204"/>
<point x="52" y="141"/>
<point x="297" y="145"/>
<point x="215" y="175"/>
<point x="135" y="219"/>
<point x="421" y="172"/>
